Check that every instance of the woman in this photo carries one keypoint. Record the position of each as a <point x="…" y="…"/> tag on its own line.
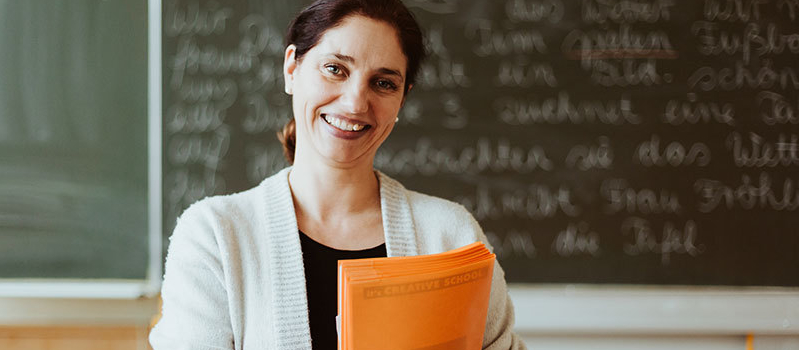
<point x="257" y="269"/>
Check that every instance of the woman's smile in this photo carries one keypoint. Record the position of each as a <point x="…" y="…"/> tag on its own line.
<point x="345" y="128"/>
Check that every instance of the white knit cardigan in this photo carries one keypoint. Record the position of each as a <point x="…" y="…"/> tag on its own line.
<point x="235" y="277"/>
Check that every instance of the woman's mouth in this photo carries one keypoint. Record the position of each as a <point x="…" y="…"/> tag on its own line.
<point x="344" y="125"/>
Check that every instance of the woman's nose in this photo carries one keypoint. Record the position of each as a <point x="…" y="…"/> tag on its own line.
<point x="356" y="97"/>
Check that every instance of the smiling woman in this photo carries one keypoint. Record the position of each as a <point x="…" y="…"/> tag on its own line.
<point x="258" y="269"/>
<point x="346" y="93"/>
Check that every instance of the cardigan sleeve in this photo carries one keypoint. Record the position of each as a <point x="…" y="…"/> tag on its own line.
<point x="443" y="225"/>
<point x="194" y="312"/>
<point x="499" y="333"/>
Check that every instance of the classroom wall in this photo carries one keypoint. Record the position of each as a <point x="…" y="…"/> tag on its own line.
<point x="659" y="342"/>
<point x="547" y="317"/>
<point x="74" y="337"/>
<point x="135" y="338"/>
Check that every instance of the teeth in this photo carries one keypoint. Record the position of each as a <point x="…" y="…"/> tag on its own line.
<point x="343" y="125"/>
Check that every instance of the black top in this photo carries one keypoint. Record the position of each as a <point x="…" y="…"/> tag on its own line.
<point x="321" y="283"/>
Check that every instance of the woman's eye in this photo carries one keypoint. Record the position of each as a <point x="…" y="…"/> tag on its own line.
<point x="333" y="69"/>
<point x="386" y="84"/>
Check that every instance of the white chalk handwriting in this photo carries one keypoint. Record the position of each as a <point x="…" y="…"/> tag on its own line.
<point x="491" y="41"/>
<point x="627" y="72"/>
<point x="620" y="197"/>
<point x="671" y="240"/>
<point x="624" y="42"/>
<point x="533" y="202"/>
<point x="434" y="39"/>
<point x="747" y="195"/>
<point x="562" y="109"/>
<point x="486" y="155"/>
<point x="788" y="6"/>
<point x="626" y="11"/>
<point x="258" y="36"/>
<point x="757" y="152"/>
<point x="193" y="58"/>
<point x="443" y="73"/>
<point x="778" y="110"/>
<point x="193" y="117"/>
<point x="412" y="112"/>
<point x="203" y="89"/>
<point x="451" y="115"/>
<point x="733" y="10"/>
<point x="513" y="243"/>
<point x="207" y="149"/>
<point x="267" y="74"/>
<point x="520" y="72"/>
<point x="691" y="111"/>
<point x="649" y="153"/>
<point x="714" y="41"/>
<point x="520" y="11"/>
<point x="434" y="6"/>
<point x="262" y="116"/>
<point x="587" y="157"/>
<point x="740" y="76"/>
<point x="577" y="239"/>
<point x="456" y="116"/>
<point x="195" y="20"/>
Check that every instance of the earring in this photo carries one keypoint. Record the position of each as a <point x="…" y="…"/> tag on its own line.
<point x="396" y="120"/>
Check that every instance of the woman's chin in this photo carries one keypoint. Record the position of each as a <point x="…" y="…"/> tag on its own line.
<point x="345" y="158"/>
<point x="346" y="162"/>
<point x="344" y="152"/>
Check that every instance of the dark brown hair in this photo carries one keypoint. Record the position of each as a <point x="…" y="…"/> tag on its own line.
<point x="308" y="27"/>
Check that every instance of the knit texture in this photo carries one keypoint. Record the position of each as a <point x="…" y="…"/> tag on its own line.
<point x="234" y="276"/>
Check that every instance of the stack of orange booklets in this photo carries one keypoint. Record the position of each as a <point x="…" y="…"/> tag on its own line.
<point x="425" y="302"/>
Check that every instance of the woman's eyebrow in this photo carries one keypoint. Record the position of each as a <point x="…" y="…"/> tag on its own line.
<point x="390" y="72"/>
<point x="351" y="59"/>
<point x="344" y="58"/>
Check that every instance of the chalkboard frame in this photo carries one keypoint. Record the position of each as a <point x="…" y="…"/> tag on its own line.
<point x="607" y="310"/>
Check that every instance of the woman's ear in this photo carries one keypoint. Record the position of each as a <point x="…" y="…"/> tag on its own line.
<point x="289" y="66"/>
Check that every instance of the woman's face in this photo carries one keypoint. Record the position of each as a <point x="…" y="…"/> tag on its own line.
<point x="347" y="91"/>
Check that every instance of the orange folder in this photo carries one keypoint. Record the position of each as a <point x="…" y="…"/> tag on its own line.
<point x="425" y="302"/>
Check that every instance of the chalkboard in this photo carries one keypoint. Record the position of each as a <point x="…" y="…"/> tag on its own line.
<point x="73" y="139"/>
<point x="597" y="141"/>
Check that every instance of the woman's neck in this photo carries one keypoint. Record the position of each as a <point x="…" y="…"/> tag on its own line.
<point x="322" y="192"/>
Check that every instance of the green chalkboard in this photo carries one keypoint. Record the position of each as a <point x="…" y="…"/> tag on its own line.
<point x="634" y="142"/>
<point x="596" y="141"/>
<point x="73" y="139"/>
